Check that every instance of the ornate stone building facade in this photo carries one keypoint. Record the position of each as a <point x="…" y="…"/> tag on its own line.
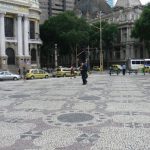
<point x="125" y="13"/>
<point x="19" y="34"/>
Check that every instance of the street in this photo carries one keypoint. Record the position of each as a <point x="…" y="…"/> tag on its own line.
<point x="109" y="113"/>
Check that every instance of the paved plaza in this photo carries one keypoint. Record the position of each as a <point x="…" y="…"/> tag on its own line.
<point x="109" y="113"/>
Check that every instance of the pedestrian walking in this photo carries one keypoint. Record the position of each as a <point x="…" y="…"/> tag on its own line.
<point x="24" y="73"/>
<point x="72" y="72"/>
<point x="19" y="71"/>
<point x="110" y="70"/>
<point x="84" y="75"/>
<point x="123" y="69"/>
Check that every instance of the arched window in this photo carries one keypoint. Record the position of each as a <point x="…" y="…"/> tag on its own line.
<point x="33" y="55"/>
<point x="11" y="56"/>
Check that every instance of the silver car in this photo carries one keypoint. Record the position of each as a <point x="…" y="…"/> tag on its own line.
<point x="6" y="75"/>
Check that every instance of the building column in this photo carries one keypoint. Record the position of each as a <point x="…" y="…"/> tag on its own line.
<point x="19" y="36"/>
<point x="27" y="57"/>
<point x="19" y="57"/>
<point x="3" y="57"/>
<point x="38" y="56"/>
<point x="26" y="38"/>
<point x="121" y="38"/>
<point x="2" y="35"/>
<point x="132" y="51"/>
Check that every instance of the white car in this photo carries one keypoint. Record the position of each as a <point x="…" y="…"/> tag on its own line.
<point x="6" y="75"/>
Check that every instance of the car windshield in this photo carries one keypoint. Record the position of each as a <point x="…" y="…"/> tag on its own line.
<point x="1" y="72"/>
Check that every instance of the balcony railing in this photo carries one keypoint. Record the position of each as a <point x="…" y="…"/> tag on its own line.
<point x="35" y="41"/>
<point x="11" y="39"/>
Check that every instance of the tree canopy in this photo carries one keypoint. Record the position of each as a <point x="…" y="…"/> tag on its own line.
<point x="67" y="30"/>
<point x="141" y="28"/>
<point x="109" y="34"/>
<point x="71" y="32"/>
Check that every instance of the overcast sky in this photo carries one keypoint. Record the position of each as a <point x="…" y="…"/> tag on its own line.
<point x="142" y="1"/>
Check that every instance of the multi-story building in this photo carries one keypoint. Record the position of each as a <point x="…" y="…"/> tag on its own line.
<point x="88" y="9"/>
<point x="125" y="13"/>
<point x="44" y="6"/>
<point x="19" y="34"/>
<point x="54" y="7"/>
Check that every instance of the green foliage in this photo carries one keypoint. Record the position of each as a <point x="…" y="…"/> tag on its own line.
<point x="71" y="32"/>
<point x="109" y="34"/>
<point x="141" y="28"/>
<point x="67" y="30"/>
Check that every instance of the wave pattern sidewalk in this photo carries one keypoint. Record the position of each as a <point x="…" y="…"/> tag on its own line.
<point x="110" y="113"/>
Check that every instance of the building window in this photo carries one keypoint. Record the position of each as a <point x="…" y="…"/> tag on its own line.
<point x="33" y="55"/>
<point x="32" y="30"/>
<point x="11" y="56"/>
<point x="9" y="27"/>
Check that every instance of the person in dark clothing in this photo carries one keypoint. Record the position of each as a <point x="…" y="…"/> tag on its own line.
<point x="24" y="73"/>
<point x="84" y="73"/>
<point x="19" y="71"/>
<point x="72" y="72"/>
<point x="124" y="69"/>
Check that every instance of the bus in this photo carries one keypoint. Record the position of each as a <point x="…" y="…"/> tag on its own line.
<point x="136" y="64"/>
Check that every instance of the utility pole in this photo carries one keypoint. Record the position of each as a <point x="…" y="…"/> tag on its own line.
<point x="76" y="57"/>
<point x="56" y="64"/>
<point x="88" y="57"/>
<point x="101" y="51"/>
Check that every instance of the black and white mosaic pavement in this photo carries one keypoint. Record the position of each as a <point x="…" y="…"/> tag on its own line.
<point x="109" y="113"/>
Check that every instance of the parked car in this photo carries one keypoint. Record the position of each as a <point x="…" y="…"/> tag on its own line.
<point x="65" y="72"/>
<point x="62" y="72"/>
<point x="96" y="68"/>
<point x="146" y="69"/>
<point x="7" y="75"/>
<point x="36" y="74"/>
<point x="77" y="71"/>
<point x="119" y="67"/>
<point x="115" y="69"/>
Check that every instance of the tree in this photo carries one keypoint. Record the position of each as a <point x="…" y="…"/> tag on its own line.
<point x="67" y="30"/>
<point x="141" y="28"/>
<point x="109" y="35"/>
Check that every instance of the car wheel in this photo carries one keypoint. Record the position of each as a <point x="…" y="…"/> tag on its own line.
<point x="46" y="77"/>
<point x="15" y="78"/>
<point x="32" y="77"/>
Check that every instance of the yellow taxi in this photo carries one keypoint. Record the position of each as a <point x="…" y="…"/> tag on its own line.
<point x="36" y="74"/>
<point x="62" y="72"/>
<point x="77" y="72"/>
<point x="96" y="68"/>
<point x="117" y="67"/>
<point x="146" y="69"/>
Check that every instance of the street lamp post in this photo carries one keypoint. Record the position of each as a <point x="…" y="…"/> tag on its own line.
<point x="88" y="58"/>
<point x="76" y="58"/>
<point x="100" y="40"/>
<point x="101" y="51"/>
<point x="56" y="64"/>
